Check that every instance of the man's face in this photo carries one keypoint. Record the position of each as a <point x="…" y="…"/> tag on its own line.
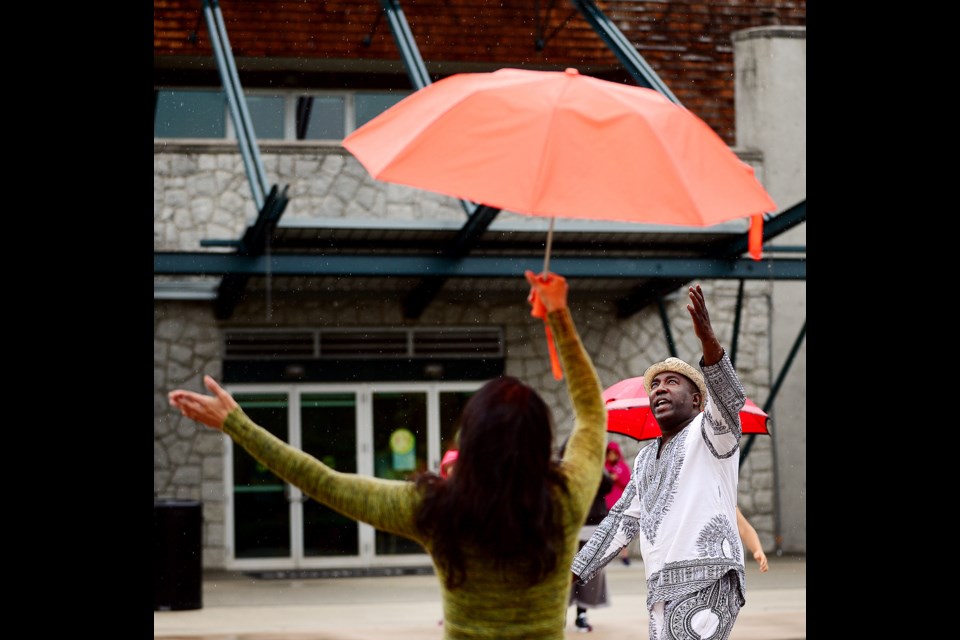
<point x="674" y="399"/>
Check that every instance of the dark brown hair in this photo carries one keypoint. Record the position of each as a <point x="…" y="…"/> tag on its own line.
<point x="499" y="497"/>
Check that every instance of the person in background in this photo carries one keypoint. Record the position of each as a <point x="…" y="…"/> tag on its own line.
<point x="681" y="503"/>
<point x="502" y="529"/>
<point x="751" y="540"/>
<point x="446" y="464"/>
<point x="620" y="476"/>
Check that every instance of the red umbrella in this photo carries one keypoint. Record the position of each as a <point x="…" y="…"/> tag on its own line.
<point x="629" y="414"/>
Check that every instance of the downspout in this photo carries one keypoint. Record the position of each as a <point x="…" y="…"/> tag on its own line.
<point x="777" y="518"/>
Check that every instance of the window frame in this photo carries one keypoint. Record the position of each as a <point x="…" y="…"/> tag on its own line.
<point x="290" y="98"/>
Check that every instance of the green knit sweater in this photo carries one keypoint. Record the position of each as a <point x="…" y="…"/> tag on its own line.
<point x="488" y="604"/>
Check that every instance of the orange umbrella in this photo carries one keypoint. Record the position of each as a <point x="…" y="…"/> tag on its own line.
<point x="561" y="144"/>
<point x="552" y="143"/>
<point x="629" y="414"/>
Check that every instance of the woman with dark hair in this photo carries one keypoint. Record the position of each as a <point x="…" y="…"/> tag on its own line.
<point x="502" y="529"/>
<point x="498" y="492"/>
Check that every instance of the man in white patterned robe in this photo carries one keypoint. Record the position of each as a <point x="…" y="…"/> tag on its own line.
<point x="682" y="497"/>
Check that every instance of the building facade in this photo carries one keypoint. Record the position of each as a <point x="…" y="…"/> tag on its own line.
<point x="334" y="365"/>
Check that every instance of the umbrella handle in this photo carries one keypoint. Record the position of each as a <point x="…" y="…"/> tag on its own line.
<point x="546" y="256"/>
<point x="539" y="310"/>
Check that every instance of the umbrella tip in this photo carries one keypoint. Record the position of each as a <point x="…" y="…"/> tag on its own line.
<point x="572" y="72"/>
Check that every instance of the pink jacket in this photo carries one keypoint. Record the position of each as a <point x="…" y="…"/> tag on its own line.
<point x="620" y="473"/>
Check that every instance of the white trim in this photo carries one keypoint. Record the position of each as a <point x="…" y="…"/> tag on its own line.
<point x="185" y="290"/>
<point x="521" y="223"/>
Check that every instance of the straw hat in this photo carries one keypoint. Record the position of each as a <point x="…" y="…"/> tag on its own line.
<point x="677" y="366"/>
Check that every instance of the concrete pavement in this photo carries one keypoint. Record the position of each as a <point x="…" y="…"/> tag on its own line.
<point x="407" y="607"/>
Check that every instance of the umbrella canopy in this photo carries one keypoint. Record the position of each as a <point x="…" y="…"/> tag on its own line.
<point x="560" y="144"/>
<point x="629" y="414"/>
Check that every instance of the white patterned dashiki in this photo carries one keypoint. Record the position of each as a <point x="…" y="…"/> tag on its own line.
<point x="682" y="505"/>
<point x="708" y="614"/>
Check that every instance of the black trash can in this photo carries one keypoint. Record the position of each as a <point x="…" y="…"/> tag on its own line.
<point x="177" y="560"/>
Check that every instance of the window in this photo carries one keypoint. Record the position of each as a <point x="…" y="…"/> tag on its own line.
<point x="370" y="105"/>
<point x="321" y="118"/>
<point x="190" y="114"/>
<point x="266" y="114"/>
<point x="205" y="113"/>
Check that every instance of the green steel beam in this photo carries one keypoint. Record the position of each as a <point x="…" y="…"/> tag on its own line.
<point x="426" y="290"/>
<point x="400" y="28"/>
<point x="621" y="47"/>
<point x="215" y="264"/>
<point x="270" y="206"/>
<point x="768" y="405"/>
<point x="667" y="334"/>
<point x="649" y="292"/>
<point x="773" y="226"/>
<point x="735" y="340"/>
<point x="479" y="217"/>
<point x="227" y="66"/>
<point x="254" y="243"/>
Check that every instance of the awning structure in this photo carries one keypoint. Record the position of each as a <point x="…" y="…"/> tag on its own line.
<point x="632" y="265"/>
<point x="635" y="265"/>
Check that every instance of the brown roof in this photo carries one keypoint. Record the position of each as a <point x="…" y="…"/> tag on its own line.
<point x="323" y="44"/>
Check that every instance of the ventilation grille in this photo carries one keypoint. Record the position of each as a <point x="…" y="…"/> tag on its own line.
<point x="382" y="344"/>
<point x="270" y="344"/>
<point x="457" y="343"/>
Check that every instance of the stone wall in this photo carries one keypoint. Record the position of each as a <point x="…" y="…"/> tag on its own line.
<point x="187" y="457"/>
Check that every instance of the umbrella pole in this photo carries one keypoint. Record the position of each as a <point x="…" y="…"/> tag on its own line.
<point x="546" y="257"/>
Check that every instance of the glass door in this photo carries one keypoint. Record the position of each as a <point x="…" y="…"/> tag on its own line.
<point x="394" y="431"/>
<point x="261" y="508"/>
<point x="274" y="525"/>
<point x="400" y="451"/>
<point x="451" y="406"/>
<point x="328" y="427"/>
